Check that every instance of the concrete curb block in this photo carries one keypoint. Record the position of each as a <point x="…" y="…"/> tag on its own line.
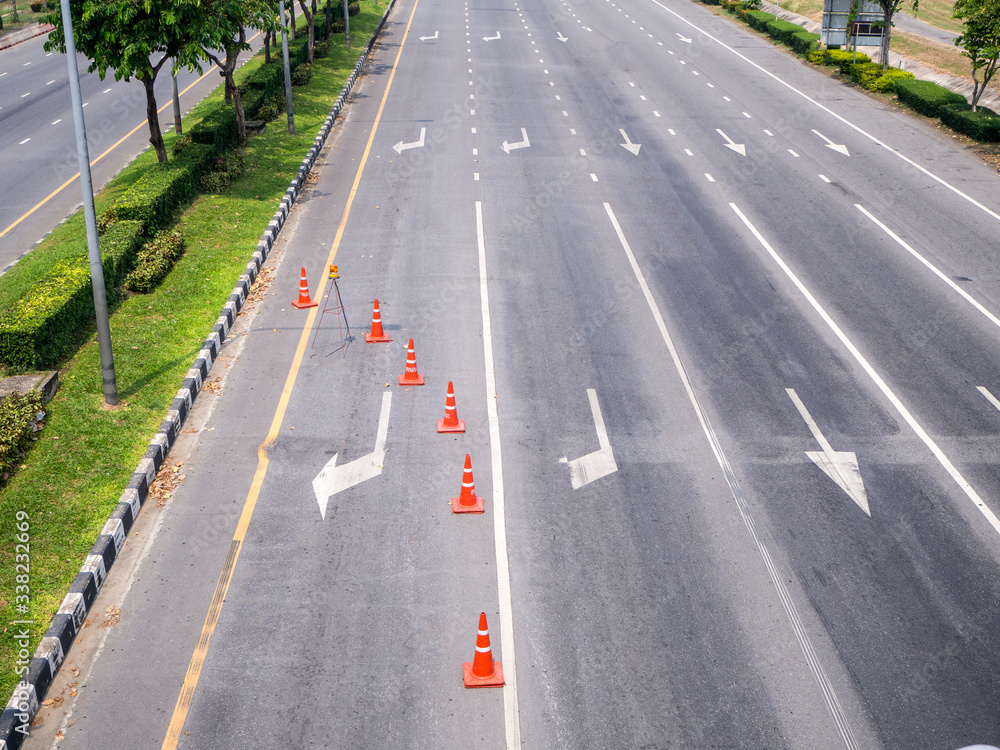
<point x="55" y="644"/>
<point x="24" y="35"/>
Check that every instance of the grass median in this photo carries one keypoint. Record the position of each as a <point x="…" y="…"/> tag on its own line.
<point x="85" y="454"/>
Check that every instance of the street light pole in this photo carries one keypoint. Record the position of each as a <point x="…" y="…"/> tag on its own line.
<point x="93" y="246"/>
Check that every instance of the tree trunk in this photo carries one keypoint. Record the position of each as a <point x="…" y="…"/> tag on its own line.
<point x="267" y="47"/>
<point x="155" y="136"/>
<point x="887" y="11"/>
<point x="326" y="27"/>
<point x="14" y="4"/>
<point x="291" y="25"/>
<point x="229" y="91"/>
<point x="311" y="28"/>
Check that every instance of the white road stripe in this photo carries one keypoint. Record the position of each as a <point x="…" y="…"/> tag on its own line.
<point x="833" y="704"/>
<point x="877" y="379"/>
<point x="24" y="141"/>
<point x="824" y="178"/>
<point x="989" y="396"/>
<point x="968" y="297"/>
<point x="829" y="111"/>
<point x="57" y="121"/>
<point x="593" y="177"/>
<point x="511" y="719"/>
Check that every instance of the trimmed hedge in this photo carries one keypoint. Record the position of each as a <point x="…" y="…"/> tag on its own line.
<point x="927" y="97"/>
<point x="156" y="196"/>
<point x="803" y="41"/>
<point x="18" y="423"/>
<point x="886" y="83"/>
<point x="119" y="248"/>
<point x="34" y="332"/>
<point x="218" y="129"/>
<point x="155" y="260"/>
<point x="759" y="20"/>
<point x="782" y="31"/>
<point x="982" y="125"/>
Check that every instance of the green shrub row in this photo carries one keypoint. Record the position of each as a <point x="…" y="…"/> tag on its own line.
<point x="155" y="259"/>
<point x="35" y="331"/>
<point x="927" y="97"/>
<point x="18" y="420"/>
<point x="982" y="125"/>
<point x="156" y="196"/>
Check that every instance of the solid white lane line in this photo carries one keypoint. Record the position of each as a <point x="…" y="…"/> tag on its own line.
<point x="945" y="462"/>
<point x="934" y="269"/>
<point x="24" y="141"/>
<point x="511" y="719"/>
<point x="4" y="73"/>
<point x="829" y="111"/>
<point x="824" y="178"/>
<point x="989" y="397"/>
<point x="777" y="580"/>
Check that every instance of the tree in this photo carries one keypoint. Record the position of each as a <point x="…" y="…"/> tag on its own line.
<point x="980" y="41"/>
<point x="889" y="8"/>
<point x="311" y="26"/>
<point x="222" y="25"/>
<point x="127" y="36"/>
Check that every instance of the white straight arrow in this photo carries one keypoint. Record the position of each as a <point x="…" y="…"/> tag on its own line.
<point x="628" y="145"/>
<point x="561" y="38"/>
<point x="401" y="147"/>
<point x="600" y="463"/>
<point x="684" y="38"/>
<point x="508" y="147"/>
<point x="840" y="466"/>
<point x="739" y="148"/>
<point x="491" y="38"/>
<point x="333" y="479"/>
<point x="840" y="148"/>
<point x="426" y="38"/>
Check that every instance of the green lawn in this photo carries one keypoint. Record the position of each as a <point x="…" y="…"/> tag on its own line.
<point x="85" y="455"/>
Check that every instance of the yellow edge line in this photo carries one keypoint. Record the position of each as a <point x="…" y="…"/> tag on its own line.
<point x="222" y="586"/>
<point x="125" y="137"/>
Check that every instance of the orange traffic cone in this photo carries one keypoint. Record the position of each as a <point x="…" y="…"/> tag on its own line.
<point x="304" y="300"/>
<point x="376" y="336"/>
<point x="482" y="671"/>
<point x="467" y="502"/>
<point x="451" y="422"/>
<point x="411" y="376"/>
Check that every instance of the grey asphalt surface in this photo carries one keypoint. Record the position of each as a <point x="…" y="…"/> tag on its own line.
<point x="38" y="151"/>
<point x="650" y="608"/>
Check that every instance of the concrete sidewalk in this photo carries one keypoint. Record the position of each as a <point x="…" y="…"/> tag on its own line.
<point x="21" y="35"/>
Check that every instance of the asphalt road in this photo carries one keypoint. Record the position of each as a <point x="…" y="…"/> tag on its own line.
<point x="38" y="153"/>
<point x="723" y="336"/>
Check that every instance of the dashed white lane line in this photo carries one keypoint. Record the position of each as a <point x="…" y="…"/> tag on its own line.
<point x="4" y="73"/>
<point x="945" y="462"/>
<point x="709" y="177"/>
<point x="24" y="141"/>
<point x="475" y="152"/>
<point x="473" y="131"/>
<point x="552" y="83"/>
<point x="558" y="98"/>
<point x="511" y="720"/>
<point x="747" y="115"/>
<point x="689" y="152"/>
<point x="57" y="121"/>
<point x="593" y="177"/>
<point x="565" y="113"/>
<point x="27" y="94"/>
<point x="572" y="131"/>
<point x="475" y="176"/>
<point x="696" y="72"/>
<point x="26" y="64"/>
<point x="655" y="113"/>
<point x="671" y="131"/>
<point x="642" y="96"/>
<point x="793" y="153"/>
<point x="630" y="83"/>
<point x="583" y="152"/>
<point x="711" y="85"/>
<point x="768" y="132"/>
<point x="824" y="178"/>
<point x="727" y="98"/>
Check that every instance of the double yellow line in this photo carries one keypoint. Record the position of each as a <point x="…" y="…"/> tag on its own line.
<point x="229" y="567"/>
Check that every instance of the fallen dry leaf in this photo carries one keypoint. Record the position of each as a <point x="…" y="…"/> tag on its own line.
<point x="113" y="617"/>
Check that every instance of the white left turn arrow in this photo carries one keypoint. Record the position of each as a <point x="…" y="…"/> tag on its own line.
<point x="684" y="38"/>
<point x="739" y="148"/>
<point x="508" y="147"/>
<point x="628" y="145"/>
<point x="333" y="479"/>
<point x="401" y="147"/>
<point x="840" y="148"/>
<point x="427" y="38"/>
<point x="840" y="466"/>
<point x="491" y="38"/>
<point x="600" y="463"/>
<point x="561" y="38"/>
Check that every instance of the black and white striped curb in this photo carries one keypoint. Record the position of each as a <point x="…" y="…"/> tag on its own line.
<point x="56" y="642"/>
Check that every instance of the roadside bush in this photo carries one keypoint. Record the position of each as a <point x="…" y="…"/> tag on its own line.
<point x="321" y="48"/>
<point x="982" y="125"/>
<point x="106" y="219"/>
<point x="119" y="248"/>
<point x="37" y="7"/>
<point x="35" y="330"/>
<point x="927" y="97"/>
<point x="218" y="129"/>
<point x="227" y="169"/>
<point x="273" y="107"/>
<point x="803" y="41"/>
<point x="155" y="196"/>
<point x="844" y="59"/>
<point x="155" y="260"/>
<point x="180" y="144"/>
<point x="338" y="26"/>
<point x="864" y="74"/>
<point x="19" y="416"/>
<point x="886" y="83"/>
<point x="759" y="20"/>
<point x="353" y="9"/>
<point x="302" y="74"/>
